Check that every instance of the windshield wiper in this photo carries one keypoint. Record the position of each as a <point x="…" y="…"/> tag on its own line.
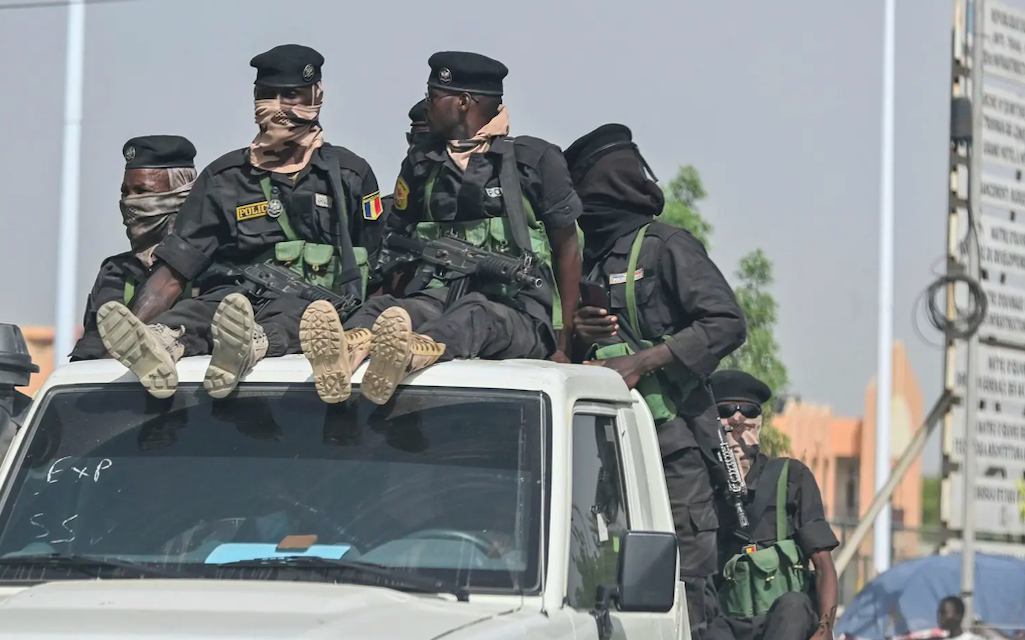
<point x="386" y="576"/>
<point x="91" y="564"/>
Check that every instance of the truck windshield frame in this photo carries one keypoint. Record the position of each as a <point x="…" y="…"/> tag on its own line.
<point x="445" y="483"/>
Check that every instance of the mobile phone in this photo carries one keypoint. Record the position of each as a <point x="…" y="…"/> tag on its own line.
<point x="593" y="294"/>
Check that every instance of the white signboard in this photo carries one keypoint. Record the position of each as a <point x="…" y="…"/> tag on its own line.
<point x="993" y="548"/>
<point x="1005" y="317"/>
<point x="1003" y="53"/>
<point x="1002" y="242"/>
<point x="1003" y="127"/>
<point x="999" y="438"/>
<point x="1006" y="194"/>
<point x="1001" y="375"/>
<point x="998" y="504"/>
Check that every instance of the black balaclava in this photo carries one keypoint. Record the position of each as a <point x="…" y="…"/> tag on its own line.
<point x="619" y="192"/>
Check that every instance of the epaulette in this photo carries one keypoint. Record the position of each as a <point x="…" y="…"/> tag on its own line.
<point x="235" y="158"/>
<point x="126" y="261"/>
<point x="346" y="159"/>
<point x="530" y="149"/>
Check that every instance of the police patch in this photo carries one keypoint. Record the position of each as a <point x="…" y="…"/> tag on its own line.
<point x="493" y="192"/>
<point x="322" y="200"/>
<point x="620" y="278"/>
<point x="401" y="194"/>
<point x="250" y="211"/>
<point x="372" y="207"/>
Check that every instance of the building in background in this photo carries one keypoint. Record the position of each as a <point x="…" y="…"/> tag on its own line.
<point x="840" y="451"/>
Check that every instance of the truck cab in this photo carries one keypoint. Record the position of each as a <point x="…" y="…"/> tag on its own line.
<point x="488" y="499"/>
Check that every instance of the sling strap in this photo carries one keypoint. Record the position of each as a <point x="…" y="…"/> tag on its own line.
<point x="776" y="471"/>
<point x="282" y="219"/>
<point x="631" y="278"/>
<point x="512" y="195"/>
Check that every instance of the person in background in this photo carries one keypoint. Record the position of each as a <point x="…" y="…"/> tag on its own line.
<point x="950" y="617"/>
<point x="790" y="604"/>
<point x="159" y="173"/>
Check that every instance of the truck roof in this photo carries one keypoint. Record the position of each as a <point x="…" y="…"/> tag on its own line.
<point x="578" y="381"/>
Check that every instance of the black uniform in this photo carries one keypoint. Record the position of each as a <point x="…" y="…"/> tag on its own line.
<point x="225" y="221"/>
<point x="680" y="295"/>
<point x="476" y="326"/>
<point x="110" y="283"/>
<point x="793" y="616"/>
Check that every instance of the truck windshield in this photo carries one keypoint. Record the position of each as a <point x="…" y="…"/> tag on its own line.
<point x="440" y="482"/>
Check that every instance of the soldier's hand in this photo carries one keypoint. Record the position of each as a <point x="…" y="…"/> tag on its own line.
<point x="594" y="325"/>
<point x="561" y="357"/>
<point x="631" y="367"/>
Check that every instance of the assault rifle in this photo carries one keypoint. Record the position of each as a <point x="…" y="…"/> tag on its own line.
<point x="261" y="278"/>
<point x="457" y="262"/>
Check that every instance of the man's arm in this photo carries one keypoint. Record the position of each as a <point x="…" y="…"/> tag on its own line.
<point x="186" y="252"/>
<point x="561" y="207"/>
<point x="816" y="538"/>
<point x="109" y="285"/>
<point x="827" y="586"/>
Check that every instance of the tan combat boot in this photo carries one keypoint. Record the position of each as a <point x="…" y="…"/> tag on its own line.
<point x="149" y="351"/>
<point x="396" y="352"/>
<point x="333" y="352"/>
<point x="239" y="343"/>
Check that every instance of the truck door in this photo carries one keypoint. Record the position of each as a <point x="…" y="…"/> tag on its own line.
<point x="599" y="516"/>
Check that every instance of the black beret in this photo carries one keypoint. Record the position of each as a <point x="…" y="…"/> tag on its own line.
<point x="288" y="66"/>
<point x="158" y="152"/>
<point x="418" y="114"/>
<point x="731" y="385"/>
<point x="470" y="72"/>
<point x="589" y="148"/>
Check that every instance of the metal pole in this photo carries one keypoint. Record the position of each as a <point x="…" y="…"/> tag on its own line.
<point x="65" y="323"/>
<point x="884" y="388"/>
<point x="972" y="391"/>
<point x="882" y="498"/>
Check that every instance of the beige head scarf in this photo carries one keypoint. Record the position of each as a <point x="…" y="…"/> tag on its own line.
<point x="461" y="150"/>
<point x="287" y="138"/>
<point x="149" y="217"/>
<point x="742" y="430"/>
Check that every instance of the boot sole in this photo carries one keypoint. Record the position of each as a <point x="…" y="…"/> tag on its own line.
<point x="129" y="341"/>
<point x="390" y="351"/>
<point x="323" y="342"/>
<point x="232" y="331"/>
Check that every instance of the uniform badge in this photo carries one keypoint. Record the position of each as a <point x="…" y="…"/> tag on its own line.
<point x="308" y="72"/>
<point x="751" y="548"/>
<point x="444" y="75"/>
<point x="274" y="208"/>
<point x="620" y="278"/>
<point x="322" y="200"/>
<point x="250" y="211"/>
<point x="372" y="207"/>
<point x="493" y="192"/>
<point x="129" y="154"/>
<point x="401" y="194"/>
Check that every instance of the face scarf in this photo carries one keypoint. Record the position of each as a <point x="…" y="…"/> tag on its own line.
<point x="750" y="434"/>
<point x="618" y="198"/>
<point x="288" y="137"/>
<point x="149" y="217"/>
<point x="461" y="150"/>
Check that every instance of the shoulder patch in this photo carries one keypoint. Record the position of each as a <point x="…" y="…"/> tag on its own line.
<point x="235" y="158"/>
<point x="401" y="194"/>
<point x="250" y="211"/>
<point x="372" y="207"/>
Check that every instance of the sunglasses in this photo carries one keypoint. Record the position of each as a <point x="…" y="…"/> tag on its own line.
<point x="747" y="409"/>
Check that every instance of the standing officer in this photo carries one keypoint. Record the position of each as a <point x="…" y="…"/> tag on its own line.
<point x="661" y="288"/>
<point x="159" y="173"/>
<point x="784" y="606"/>
<point x="509" y="195"/>
<point x="288" y="198"/>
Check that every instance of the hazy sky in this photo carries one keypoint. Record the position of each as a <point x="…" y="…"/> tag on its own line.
<point x="776" y="103"/>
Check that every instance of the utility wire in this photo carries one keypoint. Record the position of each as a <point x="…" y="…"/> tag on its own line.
<point x="49" y="4"/>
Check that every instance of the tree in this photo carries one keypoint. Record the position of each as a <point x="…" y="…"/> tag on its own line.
<point x="759" y="355"/>
<point x="931" y="502"/>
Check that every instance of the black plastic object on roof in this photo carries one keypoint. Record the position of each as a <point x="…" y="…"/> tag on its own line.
<point x="16" y="365"/>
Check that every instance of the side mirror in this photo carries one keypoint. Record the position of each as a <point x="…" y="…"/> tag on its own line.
<point x="645" y="579"/>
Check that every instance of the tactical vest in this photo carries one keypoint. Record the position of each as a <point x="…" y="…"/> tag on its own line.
<point x="755" y="578"/>
<point x="661" y="389"/>
<point x="494" y="234"/>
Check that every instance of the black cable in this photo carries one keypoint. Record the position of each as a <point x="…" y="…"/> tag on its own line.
<point x="966" y="321"/>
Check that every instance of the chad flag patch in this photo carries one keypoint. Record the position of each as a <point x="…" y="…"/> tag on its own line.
<point x="250" y="211"/>
<point x="372" y="207"/>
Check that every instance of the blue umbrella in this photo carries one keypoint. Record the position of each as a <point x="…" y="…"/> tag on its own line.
<point x="905" y="598"/>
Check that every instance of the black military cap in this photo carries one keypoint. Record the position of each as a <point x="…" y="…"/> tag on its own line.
<point x="603" y="140"/>
<point x="158" y="152"/>
<point x="469" y="72"/>
<point x="288" y="66"/>
<point x="732" y="385"/>
<point x="418" y="114"/>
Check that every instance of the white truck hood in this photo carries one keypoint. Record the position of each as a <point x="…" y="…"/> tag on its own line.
<point x="196" y="609"/>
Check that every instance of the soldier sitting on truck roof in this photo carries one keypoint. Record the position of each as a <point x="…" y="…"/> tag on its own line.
<point x="477" y="183"/>
<point x="159" y="172"/>
<point x="653" y="285"/>
<point x="766" y="589"/>
<point x="288" y="199"/>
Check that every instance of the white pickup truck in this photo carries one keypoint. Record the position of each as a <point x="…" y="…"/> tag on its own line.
<point x="516" y="499"/>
